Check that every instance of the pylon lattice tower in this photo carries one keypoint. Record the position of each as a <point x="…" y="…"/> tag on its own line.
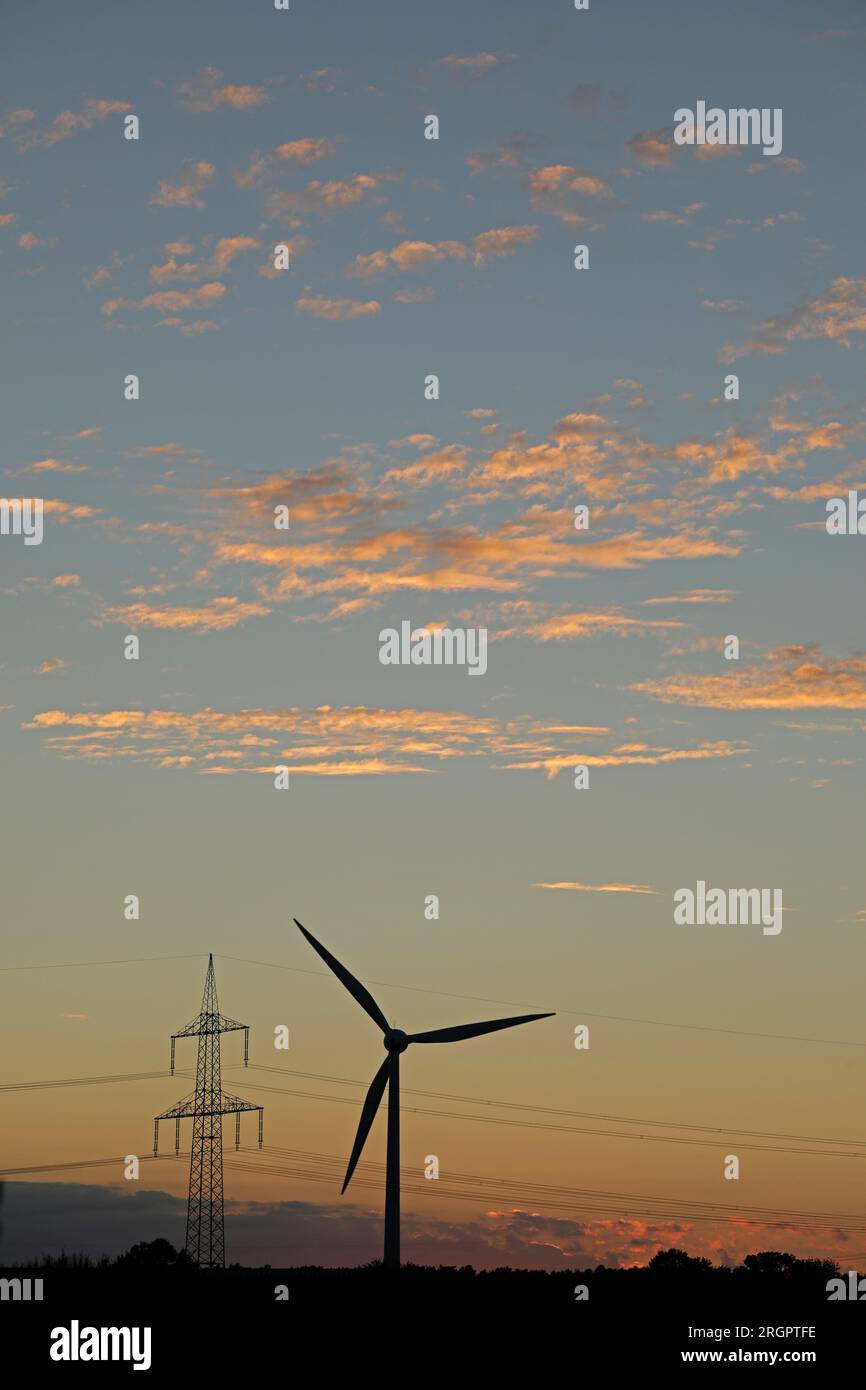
<point x="205" y="1222"/>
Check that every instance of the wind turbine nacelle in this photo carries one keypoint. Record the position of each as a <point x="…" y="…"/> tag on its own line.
<point x="396" y="1040"/>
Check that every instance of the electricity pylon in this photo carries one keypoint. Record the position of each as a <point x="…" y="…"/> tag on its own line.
<point x="205" y="1233"/>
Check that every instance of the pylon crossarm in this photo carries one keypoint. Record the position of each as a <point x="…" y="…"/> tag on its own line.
<point x="181" y="1108"/>
<point x="209" y="1023"/>
<point x="233" y="1104"/>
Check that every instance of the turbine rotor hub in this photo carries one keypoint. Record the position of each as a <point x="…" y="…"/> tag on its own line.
<point x="396" y="1040"/>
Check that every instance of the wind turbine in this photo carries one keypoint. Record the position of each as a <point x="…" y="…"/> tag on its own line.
<point x="396" y="1041"/>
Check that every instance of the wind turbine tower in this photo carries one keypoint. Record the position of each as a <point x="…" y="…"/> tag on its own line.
<point x="396" y="1042"/>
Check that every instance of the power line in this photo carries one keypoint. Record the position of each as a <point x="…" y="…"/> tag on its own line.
<point x="85" y="1080"/>
<point x="573" y="1013"/>
<point x="578" y="1114"/>
<point x="558" y="1129"/>
<point x="598" y="1202"/>
<point x="82" y="964"/>
<point x="468" y="998"/>
<point x="498" y="1104"/>
<point x="534" y="1186"/>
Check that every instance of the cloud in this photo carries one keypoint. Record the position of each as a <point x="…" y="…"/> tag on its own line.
<point x="796" y="677"/>
<point x="305" y="151"/>
<point x="696" y="596"/>
<point x="568" y="627"/>
<point x="676" y="219"/>
<point x="420" y="296"/>
<point x="206" y="91"/>
<point x="69" y="511"/>
<point x="412" y="255"/>
<point x="652" y="148"/>
<point x="337" y="309"/>
<point x="226" y="250"/>
<point x="834" y="316"/>
<point x="28" y="241"/>
<point x="782" y="164"/>
<point x="629" y="755"/>
<point x="333" y="196"/>
<point x="468" y="66"/>
<point x="193" y="329"/>
<point x="598" y="887"/>
<point x="510" y="153"/>
<point x="217" y="615"/>
<point x="656" y="149"/>
<point x="184" y="189"/>
<point x="173" y="301"/>
<point x="103" y="273"/>
<point x="344" y="741"/>
<point x="55" y="466"/>
<point x="53" y="664"/>
<point x="68" y="123"/>
<point x="322" y="79"/>
<point x="86" y="1218"/>
<point x="563" y="191"/>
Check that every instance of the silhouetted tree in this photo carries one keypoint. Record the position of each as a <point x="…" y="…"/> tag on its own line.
<point x="677" y="1262"/>
<point x="154" y="1254"/>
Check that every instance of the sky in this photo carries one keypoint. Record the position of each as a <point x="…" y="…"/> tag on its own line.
<point x="304" y="388"/>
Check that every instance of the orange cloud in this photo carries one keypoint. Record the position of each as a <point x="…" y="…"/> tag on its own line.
<point x="695" y="596"/>
<point x="562" y="190"/>
<point x="797" y="678"/>
<point x="308" y="150"/>
<point x="328" y="741"/>
<point x="207" y="91"/>
<point x="55" y="466"/>
<point x="333" y="196"/>
<point x="835" y="316"/>
<point x="172" y="301"/>
<point x="567" y="627"/>
<point x="68" y="123"/>
<point x="470" y="65"/>
<point x="217" y="615"/>
<point x="69" y="511"/>
<point x="652" y="148"/>
<point x="598" y="887"/>
<point x="337" y="309"/>
<point x="184" y="189"/>
<point x="28" y="241"/>
<point x="226" y="250"/>
<point x="409" y="255"/>
<point x="305" y="151"/>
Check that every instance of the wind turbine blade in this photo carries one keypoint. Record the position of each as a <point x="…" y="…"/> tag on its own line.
<point x="368" y="1115"/>
<point x="355" y="988"/>
<point x="473" y="1030"/>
